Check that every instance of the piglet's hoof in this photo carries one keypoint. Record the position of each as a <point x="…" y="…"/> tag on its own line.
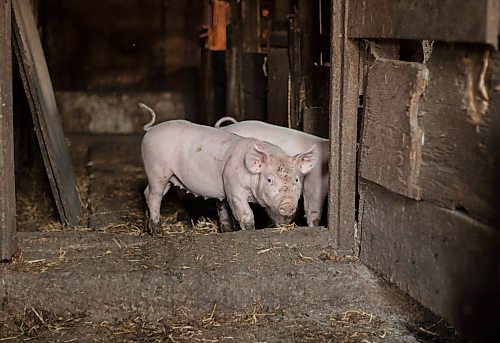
<point x="248" y="226"/>
<point x="314" y="222"/>
<point x="225" y="226"/>
<point x="153" y="228"/>
<point x="150" y="226"/>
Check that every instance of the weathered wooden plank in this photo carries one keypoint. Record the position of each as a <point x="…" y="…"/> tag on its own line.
<point x="451" y="20"/>
<point x="391" y="146"/>
<point x="460" y="121"/>
<point x="250" y="18"/>
<point x="442" y="258"/>
<point x="8" y="244"/>
<point x="38" y="88"/>
<point x="277" y="86"/>
<point x="431" y="144"/>
<point x="343" y="128"/>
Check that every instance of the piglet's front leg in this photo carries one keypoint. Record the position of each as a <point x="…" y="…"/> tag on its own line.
<point x="243" y="213"/>
<point x="314" y="198"/>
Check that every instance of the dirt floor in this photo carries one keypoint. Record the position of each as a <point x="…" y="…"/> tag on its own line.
<point x="106" y="280"/>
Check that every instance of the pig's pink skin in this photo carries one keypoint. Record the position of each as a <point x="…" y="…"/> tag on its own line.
<point x="216" y="164"/>
<point x="293" y="142"/>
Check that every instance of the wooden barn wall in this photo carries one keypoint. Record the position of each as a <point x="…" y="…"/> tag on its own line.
<point x="429" y="158"/>
<point x="105" y="56"/>
<point x="429" y="167"/>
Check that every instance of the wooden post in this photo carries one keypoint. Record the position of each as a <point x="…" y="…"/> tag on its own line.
<point x="343" y="129"/>
<point x="234" y="101"/>
<point x="8" y="243"/>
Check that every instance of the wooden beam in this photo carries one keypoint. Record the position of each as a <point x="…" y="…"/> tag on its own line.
<point x="461" y="124"/>
<point x="451" y="20"/>
<point x="8" y="244"/>
<point x="343" y="128"/>
<point x="442" y="258"/>
<point x="38" y="89"/>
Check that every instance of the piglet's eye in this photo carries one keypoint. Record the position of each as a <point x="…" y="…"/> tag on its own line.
<point x="296" y="179"/>
<point x="270" y="180"/>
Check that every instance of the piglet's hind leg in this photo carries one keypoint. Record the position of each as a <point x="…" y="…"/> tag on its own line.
<point x="154" y="193"/>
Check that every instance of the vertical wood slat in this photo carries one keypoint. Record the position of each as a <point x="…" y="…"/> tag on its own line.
<point x="250" y="25"/>
<point x="8" y="243"/>
<point x="343" y="128"/>
<point x="277" y="86"/>
<point x="296" y="73"/>
<point x="234" y="93"/>
<point x="38" y="88"/>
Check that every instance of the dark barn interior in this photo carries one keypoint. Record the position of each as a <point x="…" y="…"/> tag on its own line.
<point x="408" y="247"/>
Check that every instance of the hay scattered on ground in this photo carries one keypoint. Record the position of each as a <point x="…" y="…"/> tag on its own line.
<point x="285" y="228"/>
<point x="351" y="326"/>
<point x="333" y="256"/>
<point x="37" y="324"/>
<point x="34" y="203"/>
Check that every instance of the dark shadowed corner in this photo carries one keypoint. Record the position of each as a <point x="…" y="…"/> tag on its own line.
<point x="479" y="309"/>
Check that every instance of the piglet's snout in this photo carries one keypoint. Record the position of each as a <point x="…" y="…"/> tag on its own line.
<point x="286" y="208"/>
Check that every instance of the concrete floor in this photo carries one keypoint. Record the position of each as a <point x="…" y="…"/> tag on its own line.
<point x="107" y="281"/>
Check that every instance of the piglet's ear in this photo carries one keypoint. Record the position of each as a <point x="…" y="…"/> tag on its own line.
<point x="307" y="160"/>
<point x="255" y="159"/>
